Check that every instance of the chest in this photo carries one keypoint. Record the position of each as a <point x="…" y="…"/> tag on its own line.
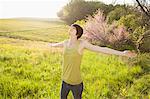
<point x="72" y="48"/>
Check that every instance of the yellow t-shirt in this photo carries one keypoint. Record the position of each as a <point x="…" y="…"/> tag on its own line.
<point x="71" y="65"/>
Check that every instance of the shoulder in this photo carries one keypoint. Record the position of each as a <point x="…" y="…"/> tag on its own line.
<point x="83" y="42"/>
<point x="65" y="42"/>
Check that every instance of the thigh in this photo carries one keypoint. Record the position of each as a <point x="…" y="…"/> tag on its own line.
<point x="64" y="90"/>
<point x="77" y="91"/>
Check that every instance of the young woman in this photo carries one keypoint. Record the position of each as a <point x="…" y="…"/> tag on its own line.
<point x="72" y="55"/>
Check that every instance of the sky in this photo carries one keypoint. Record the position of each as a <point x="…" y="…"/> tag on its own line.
<point x="37" y="8"/>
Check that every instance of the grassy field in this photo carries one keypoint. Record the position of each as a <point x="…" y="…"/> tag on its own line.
<point x="39" y="30"/>
<point x="30" y="69"/>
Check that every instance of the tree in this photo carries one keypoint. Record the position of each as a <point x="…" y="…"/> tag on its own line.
<point x="118" y="12"/>
<point x="80" y="9"/>
<point x="145" y="7"/>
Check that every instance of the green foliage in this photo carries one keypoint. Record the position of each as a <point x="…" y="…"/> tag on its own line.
<point x="130" y="21"/>
<point x="81" y="22"/>
<point x="79" y="9"/>
<point x="117" y="13"/>
<point x="138" y="32"/>
<point x="144" y="42"/>
<point x="140" y="84"/>
<point x="133" y="25"/>
<point x="144" y="20"/>
<point x="142" y="60"/>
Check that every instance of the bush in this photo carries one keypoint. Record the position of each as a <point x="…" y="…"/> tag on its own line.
<point x="98" y="31"/>
<point x="138" y="32"/>
<point x="117" y="13"/>
<point x="143" y="44"/>
<point x="142" y="60"/>
<point x="130" y="21"/>
<point x="133" y="25"/>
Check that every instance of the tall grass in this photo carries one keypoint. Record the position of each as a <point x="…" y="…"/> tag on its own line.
<point x="36" y="73"/>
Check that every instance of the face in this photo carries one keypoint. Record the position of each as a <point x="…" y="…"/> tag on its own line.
<point x="72" y="31"/>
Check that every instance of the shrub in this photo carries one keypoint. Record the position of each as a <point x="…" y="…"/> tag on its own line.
<point x="143" y="43"/>
<point x="130" y="21"/>
<point x="138" y="32"/>
<point x="98" y="31"/>
<point x="142" y="60"/>
<point x="117" y="13"/>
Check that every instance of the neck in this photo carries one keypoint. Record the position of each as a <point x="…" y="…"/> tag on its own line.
<point x="73" y="39"/>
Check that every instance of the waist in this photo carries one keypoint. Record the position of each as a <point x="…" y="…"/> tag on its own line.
<point x="72" y="84"/>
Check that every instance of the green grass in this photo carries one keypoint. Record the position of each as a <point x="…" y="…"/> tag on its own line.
<point x="29" y="68"/>
<point x="38" y="30"/>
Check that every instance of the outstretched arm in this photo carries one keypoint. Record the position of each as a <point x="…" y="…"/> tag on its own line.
<point x="60" y="44"/>
<point x="106" y="50"/>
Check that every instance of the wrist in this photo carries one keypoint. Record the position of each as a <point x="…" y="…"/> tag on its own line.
<point x="124" y="53"/>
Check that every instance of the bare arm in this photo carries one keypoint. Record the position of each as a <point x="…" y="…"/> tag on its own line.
<point x="106" y="50"/>
<point x="60" y="44"/>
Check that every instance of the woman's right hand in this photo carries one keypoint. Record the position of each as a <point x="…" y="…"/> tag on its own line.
<point x="130" y="53"/>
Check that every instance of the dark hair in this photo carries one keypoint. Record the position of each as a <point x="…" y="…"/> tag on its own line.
<point x="79" y="30"/>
